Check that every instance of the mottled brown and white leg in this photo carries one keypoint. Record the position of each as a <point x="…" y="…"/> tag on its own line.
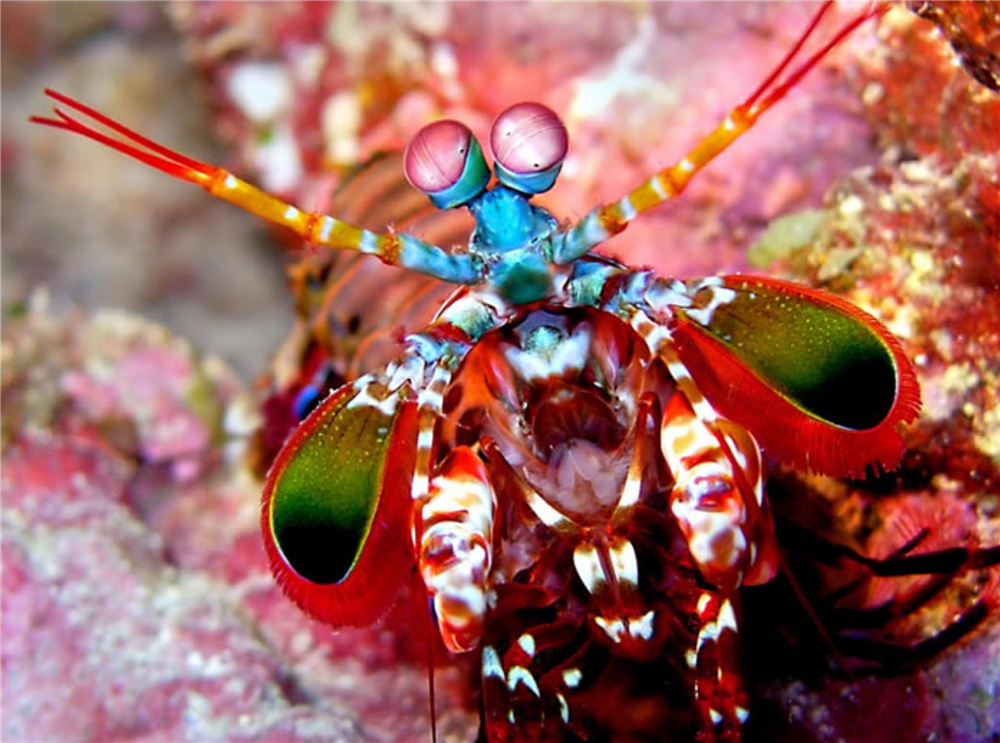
<point x="718" y="502"/>
<point x="524" y="700"/>
<point x="719" y="689"/>
<point x="454" y="536"/>
<point x="718" y="492"/>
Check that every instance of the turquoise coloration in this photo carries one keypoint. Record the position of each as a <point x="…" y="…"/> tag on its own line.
<point x="588" y="279"/>
<point x="510" y="242"/>
<point x="456" y="268"/>
<point x="544" y="340"/>
<point x="510" y="247"/>
<point x="505" y="220"/>
<point x="521" y="276"/>
<point x="530" y="183"/>
<point x="475" y="176"/>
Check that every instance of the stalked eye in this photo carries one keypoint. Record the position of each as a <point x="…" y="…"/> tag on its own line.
<point x="444" y="161"/>
<point x="529" y="143"/>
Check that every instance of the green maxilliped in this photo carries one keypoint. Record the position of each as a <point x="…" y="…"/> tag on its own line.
<point x="325" y="500"/>
<point x="824" y="361"/>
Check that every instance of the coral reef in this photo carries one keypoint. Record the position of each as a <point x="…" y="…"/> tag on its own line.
<point x="137" y="602"/>
<point x="914" y="239"/>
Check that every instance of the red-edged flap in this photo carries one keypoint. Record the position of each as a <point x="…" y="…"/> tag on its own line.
<point x="336" y="505"/>
<point x="821" y="384"/>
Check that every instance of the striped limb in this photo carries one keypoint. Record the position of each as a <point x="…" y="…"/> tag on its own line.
<point x="719" y="690"/>
<point x="397" y="249"/>
<point x="609" y="219"/>
<point x="525" y="702"/>
<point x="718" y="502"/>
<point x="525" y="698"/>
<point x="457" y="327"/>
<point x="454" y="534"/>
<point x="454" y="511"/>
<point x="715" y="517"/>
<point x="718" y="494"/>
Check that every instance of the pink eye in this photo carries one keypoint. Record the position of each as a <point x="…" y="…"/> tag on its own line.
<point x="529" y="142"/>
<point x="444" y="161"/>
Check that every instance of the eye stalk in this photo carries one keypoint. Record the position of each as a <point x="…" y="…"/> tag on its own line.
<point x="529" y="144"/>
<point x="444" y="161"/>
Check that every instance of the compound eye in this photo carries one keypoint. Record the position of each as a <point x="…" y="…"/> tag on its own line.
<point x="529" y="142"/>
<point x="444" y="161"/>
